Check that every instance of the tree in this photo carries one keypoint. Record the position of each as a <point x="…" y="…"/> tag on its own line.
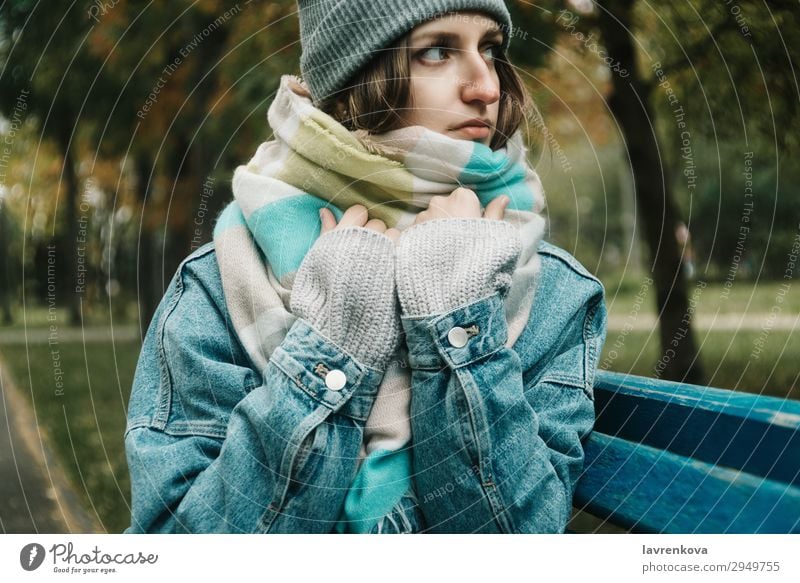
<point x="175" y="92"/>
<point x="661" y="60"/>
<point x="43" y="61"/>
<point x="193" y="83"/>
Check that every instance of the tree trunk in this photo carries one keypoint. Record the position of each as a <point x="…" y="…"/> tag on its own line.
<point x="6" y="285"/>
<point x="629" y="105"/>
<point x="73" y="290"/>
<point x="148" y="265"/>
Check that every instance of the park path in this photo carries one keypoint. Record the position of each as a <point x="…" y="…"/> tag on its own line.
<point x="726" y="322"/>
<point x="35" y="496"/>
<point x="37" y="335"/>
<point x="616" y="321"/>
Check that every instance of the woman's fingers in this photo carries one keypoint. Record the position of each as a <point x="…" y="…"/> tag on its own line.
<point x="328" y="220"/>
<point x="496" y="208"/>
<point x="392" y="233"/>
<point x="355" y="216"/>
<point x="376" y="225"/>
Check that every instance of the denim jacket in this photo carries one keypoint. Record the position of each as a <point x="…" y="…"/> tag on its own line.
<point x="213" y="446"/>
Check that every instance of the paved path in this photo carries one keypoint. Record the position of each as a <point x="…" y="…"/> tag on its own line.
<point x="128" y="333"/>
<point x="640" y="321"/>
<point x="72" y="334"/>
<point x="34" y="494"/>
<point x="727" y="322"/>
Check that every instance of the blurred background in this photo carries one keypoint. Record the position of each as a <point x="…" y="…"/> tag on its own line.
<point x="664" y="135"/>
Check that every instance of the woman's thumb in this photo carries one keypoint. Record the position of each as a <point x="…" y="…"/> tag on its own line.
<point x="327" y="219"/>
<point x="496" y="208"/>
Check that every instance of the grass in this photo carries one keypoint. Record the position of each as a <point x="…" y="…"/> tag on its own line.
<point x="728" y="358"/>
<point x="744" y="359"/>
<point x="36" y="316"/>
<point x="86" y="422"/>
<point x="740" y="298"/>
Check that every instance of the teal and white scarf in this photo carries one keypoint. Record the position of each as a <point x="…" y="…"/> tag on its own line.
<point x="262" y="237"/>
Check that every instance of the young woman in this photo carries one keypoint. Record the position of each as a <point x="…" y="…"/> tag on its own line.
<point x="378" y="339"/>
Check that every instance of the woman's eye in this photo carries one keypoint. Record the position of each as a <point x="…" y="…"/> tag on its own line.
<point x="433" y="53"/>
<point x="440" y="53"/>
<point x="492" y="52"/>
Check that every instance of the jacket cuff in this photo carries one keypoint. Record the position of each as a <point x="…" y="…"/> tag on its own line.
<point x="325" y="373"/>
<point x="458" y="337"/>
<point x="445" y="263"/>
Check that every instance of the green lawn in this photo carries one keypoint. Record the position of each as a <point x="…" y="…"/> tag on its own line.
<point x="85" y="421"/>
<point x="746" y="359"/>
<point x="39" y="316"/>
<point x="727" y="359"/>
<point x="741" y="298"/>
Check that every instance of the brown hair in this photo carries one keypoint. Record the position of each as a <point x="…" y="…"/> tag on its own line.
<point x="383" y="87"/>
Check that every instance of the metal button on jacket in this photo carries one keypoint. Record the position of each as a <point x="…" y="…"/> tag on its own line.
<point x="458" y="337"/>
<point x="335" y="380"/>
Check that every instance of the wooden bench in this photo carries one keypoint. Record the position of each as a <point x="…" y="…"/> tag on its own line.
<point x="676" y="458"/>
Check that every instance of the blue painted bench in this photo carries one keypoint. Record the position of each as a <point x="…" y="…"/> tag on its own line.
<point x="677" y="458"/>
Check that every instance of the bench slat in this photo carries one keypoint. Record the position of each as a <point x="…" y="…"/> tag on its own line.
<point x="757" y="434"/>
<point x="648" y="490"/>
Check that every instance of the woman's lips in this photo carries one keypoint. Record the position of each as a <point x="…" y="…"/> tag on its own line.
<point x="473" y="132"/>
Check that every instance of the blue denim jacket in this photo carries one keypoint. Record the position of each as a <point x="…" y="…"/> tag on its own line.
<point x="212" y="446"/>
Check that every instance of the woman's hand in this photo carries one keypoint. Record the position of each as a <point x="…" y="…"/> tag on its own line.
<point x="355" y="216"/>
<point x="464" y="204"/>
<point x="345" y="286"/>
<point x="444" y="264"/>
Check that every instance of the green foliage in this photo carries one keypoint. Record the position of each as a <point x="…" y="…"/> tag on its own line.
<point x="533" y="33"/>
<point x="152" y="100"/>
<point x="744" y="333"/>
<point x="586" y="208"/>
<point x="733" y="65"/>
<point x="43" y="54"/>
<point x="738" y="234"/>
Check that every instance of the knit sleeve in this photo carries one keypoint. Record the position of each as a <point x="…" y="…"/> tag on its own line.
<point x="345" y="289"/>
<point x="445" y="263"/>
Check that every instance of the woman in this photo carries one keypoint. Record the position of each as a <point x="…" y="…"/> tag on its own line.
<point x="422" y="361"/>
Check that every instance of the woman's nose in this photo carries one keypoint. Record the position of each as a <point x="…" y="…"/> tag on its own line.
<point x="479" y="83"/>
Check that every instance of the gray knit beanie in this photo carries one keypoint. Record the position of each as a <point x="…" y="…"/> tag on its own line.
<point x="339" y="37"/>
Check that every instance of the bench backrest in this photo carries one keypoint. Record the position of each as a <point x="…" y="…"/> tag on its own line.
<point x="677" y="458"/>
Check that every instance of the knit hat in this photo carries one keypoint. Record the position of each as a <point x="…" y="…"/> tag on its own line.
<point x="339" y="37"/>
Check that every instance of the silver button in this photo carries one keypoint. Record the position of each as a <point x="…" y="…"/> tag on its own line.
<point x="335" y="380"/>
<point x="458" y="337"/>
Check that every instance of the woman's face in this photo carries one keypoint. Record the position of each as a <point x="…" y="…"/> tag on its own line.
<point x="455" y="89"/>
